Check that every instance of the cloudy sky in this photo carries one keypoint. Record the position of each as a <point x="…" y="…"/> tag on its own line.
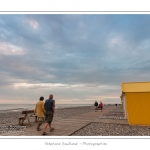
<point x="77" y="58"/>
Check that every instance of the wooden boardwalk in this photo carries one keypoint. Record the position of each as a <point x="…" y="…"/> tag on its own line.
<point x="66" y="127"/>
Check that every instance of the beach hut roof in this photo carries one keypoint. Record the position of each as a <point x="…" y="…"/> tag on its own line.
<point x="136" y="87"/>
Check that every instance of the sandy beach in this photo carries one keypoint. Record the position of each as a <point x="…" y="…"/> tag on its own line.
<point x="107" y="123"/>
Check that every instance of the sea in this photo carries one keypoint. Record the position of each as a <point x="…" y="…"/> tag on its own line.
<point x="32" y="106"/>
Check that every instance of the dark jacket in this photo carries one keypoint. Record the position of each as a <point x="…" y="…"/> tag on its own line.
<point x="96" y="104"/>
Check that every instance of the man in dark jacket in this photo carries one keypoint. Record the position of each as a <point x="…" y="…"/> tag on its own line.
<point x="96" y="105"/>
<point x="49" y="107"/>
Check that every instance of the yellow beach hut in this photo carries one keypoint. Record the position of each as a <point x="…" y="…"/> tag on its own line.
<point x="136" y="102"/>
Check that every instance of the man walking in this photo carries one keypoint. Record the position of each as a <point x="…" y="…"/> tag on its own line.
<point x="39" y="111"/>
<point x="49" y="113"/>
<point x="96" y="105"/>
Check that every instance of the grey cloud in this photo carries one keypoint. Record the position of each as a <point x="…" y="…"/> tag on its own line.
<point x="76" y="49"/>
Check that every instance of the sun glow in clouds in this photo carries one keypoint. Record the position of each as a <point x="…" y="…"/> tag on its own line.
<point x="40" y="85"/>
<point x="9" y="49"/>
<point x="116" y="41"/>
<point x="46" y="85"/>
<point x="33" y="24"/>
